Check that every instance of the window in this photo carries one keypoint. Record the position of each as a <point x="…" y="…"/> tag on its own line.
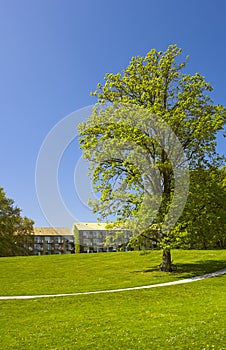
<point x="70" y="246"/>
<point x="96" y="234"/>
<point x="87" y="241"/>
<point x="97" y="241"/>
<point x="85" y="234"/>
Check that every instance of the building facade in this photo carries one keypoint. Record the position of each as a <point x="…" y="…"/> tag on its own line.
<point x="84" y="237"/>
<point x="96" y="237"/>
<point x="47" y="240"/>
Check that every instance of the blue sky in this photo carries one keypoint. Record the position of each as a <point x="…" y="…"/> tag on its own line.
<point x="54" y="52"/>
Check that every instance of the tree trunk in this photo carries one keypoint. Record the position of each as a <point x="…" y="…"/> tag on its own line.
<point x="166" y="264"/>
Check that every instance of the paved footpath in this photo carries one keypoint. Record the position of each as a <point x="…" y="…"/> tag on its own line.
<point x="187" y="280"/>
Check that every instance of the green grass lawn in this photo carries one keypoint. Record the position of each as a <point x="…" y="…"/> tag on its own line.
<point x="188" y="316"/>
<point x="88" y="272"/>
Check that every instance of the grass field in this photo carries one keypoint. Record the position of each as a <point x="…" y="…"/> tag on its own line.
<point x="189" y="316"/>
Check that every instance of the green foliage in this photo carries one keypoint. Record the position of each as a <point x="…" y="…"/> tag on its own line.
<point x="77" y="241"/>
<point x="150" y="122"/>
<point x="14" y="229"/>
<point x="203" y="222"/>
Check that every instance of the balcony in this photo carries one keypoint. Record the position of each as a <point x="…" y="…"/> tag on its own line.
<point x="40" y="249"/>
<point x="59" y="242"/>
<point x="39" y="241"/>
<point x="59" y="248"/>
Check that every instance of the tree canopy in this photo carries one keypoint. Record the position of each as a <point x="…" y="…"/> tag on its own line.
<point x="203" y="221"/>
<point x="14" y="228"/>
<point x="151" y="123"/>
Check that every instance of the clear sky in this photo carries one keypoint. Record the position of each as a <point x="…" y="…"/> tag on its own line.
<point x="54" y="52"/>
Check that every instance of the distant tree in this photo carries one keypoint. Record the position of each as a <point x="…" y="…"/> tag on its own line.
<point x="132" y="153"/>
<point x="14" y="229"/>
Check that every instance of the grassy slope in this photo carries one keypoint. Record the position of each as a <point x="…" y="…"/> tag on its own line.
<point x="87" y="272"/>
<point x="187" y="317"/>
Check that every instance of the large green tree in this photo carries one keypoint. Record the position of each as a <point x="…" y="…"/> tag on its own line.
<point x="151" y="121"/>
<point x="203" y="221"/>
<point x="202" y="224"/>
<point x="14" y="228"/>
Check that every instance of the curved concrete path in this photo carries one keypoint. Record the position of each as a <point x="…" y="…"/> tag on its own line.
<point x="187" y="280"/>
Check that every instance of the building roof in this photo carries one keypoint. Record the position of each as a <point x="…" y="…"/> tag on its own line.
<point x="50" y="231"/>
<point x="90" y="226"/>
<point x="95" y="226"/>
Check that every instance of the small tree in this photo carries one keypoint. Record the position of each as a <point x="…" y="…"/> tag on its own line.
<point x="14" y="229"/>
<point x="150" y="121"/>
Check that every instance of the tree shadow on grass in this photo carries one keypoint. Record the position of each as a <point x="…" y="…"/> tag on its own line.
<point x="186" y="270"/>
<point x="201" y="267"/>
